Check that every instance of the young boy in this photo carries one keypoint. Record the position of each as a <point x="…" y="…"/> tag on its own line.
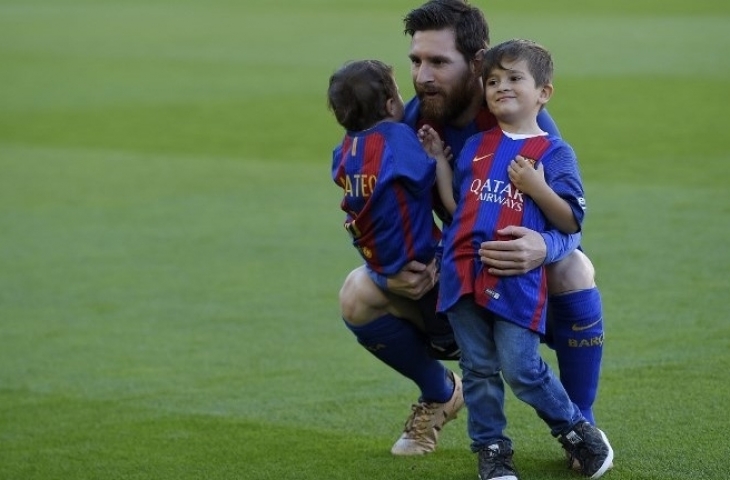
<point x="498" y="320"/>
<point x="387" y="180"/>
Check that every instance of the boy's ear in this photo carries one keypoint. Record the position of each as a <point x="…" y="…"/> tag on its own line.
<point x="546" y="92"/>
<point x="390" y="107"/>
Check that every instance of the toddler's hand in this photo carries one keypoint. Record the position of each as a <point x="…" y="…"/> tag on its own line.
<point x="432" y="143"/>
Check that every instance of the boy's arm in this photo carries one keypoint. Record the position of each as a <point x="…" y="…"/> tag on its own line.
<point x="444" y="174"/>
<point x="444" y="183"/>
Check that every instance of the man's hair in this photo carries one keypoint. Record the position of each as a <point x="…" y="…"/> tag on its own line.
<point x="358" y="93"/>
<point x="468" y="23"/>
<point x="538" y="59"/>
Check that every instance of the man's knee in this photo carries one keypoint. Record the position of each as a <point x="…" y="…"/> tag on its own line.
<point x="361" y="301"/>
<point x="574" y="272"/>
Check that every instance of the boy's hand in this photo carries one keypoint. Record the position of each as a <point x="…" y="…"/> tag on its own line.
<point x="524" y="175"/>
<point x="432" y="143"/>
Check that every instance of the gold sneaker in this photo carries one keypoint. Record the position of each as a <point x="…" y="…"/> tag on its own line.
<point x="422" y="428"/>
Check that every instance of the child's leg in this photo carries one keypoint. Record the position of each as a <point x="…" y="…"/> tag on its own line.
<point x="533" y="382"/>
<point x="531" y="379"/>
<point x="483" y="387"/>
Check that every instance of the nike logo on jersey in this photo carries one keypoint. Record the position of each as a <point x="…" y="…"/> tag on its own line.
<point x="476" y="159"/>
<point x="580" y="328"/>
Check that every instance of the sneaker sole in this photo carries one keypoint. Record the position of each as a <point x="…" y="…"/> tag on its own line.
<point x="575" y="466"/>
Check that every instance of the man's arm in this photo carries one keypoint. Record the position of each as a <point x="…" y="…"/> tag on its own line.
<point x="526" y="251"/>
<point x="546" y="123"/>
<point x="559" y="245"/>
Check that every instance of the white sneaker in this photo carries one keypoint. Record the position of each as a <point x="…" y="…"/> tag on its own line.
<point x="422" y="428"/>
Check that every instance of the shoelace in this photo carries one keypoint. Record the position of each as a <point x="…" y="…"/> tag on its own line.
<point x="418" y="421"/>
<point x="579" y="452"/>
<point x="498" y="462"/>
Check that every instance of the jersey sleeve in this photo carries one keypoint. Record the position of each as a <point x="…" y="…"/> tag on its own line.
<point x="559" y="245"/>
<point x="563" y="176"/>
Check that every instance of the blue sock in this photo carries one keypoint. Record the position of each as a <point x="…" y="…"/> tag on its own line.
<point x="577" y="337"/>
<point x="402" y="347"/>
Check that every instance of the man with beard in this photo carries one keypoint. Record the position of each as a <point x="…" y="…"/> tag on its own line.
<point x="448" y="40"/>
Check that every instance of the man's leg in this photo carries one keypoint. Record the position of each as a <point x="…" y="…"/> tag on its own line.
<point x="575" y="328"/>
<point x="441" y="341"/>
<point x="389" y="328"/>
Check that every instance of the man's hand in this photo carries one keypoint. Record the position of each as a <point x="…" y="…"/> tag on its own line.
<point x="414" y="280"/>
<point x="523" y="253"/>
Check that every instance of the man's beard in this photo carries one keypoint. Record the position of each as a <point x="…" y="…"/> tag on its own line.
<point x="444" y="109"/>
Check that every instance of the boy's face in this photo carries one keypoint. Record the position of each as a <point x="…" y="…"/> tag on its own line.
<point x="511" y="92"/>
<point x="396" y="107"/>
<point x="445" y="83"/>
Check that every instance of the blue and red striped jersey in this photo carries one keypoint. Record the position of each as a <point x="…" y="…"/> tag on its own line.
<point x="558" y="244"/>
<point x="387" y="180"/>
<point x="486" y="202"/>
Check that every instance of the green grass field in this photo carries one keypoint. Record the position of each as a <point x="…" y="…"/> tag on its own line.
<point x="171" y="244"/>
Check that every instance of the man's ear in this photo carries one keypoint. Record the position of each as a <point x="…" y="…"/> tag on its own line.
<point x="546" y="92"/>
<point x="477" y="62"/>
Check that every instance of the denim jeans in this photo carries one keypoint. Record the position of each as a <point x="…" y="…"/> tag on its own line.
<point x="490" y="345"/>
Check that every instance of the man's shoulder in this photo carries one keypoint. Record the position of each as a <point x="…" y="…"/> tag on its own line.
<point x="485" y="120"/>
<point x="412" y="113"/>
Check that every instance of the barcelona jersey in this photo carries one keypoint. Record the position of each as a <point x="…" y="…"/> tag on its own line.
<point x="456" y="137"/>
<point x="558" y="244"/>
<point x="486" y="202"/>
<point x="387" y="179"/>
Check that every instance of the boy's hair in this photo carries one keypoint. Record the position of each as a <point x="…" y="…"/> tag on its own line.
<point x="538" y="59"/>
<point x="468" y="23"/>
<point x="358" y="93"/>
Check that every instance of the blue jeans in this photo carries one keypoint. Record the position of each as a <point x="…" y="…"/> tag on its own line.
<point x="490" y="344"/>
